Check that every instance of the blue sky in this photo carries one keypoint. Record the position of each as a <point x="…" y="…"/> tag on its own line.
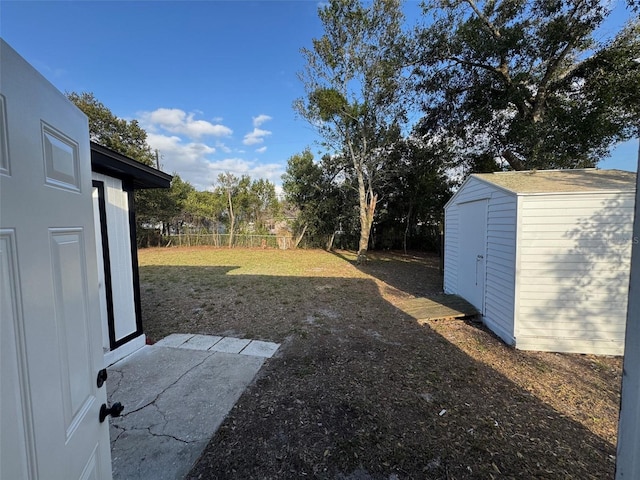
<point x="212" y="82"/>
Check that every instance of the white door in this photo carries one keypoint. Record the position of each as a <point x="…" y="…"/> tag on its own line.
<point x="472" y="252"/>
<point x="51" y="346"/>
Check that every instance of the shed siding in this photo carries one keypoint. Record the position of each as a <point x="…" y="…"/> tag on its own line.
<point x="573" y="272"/>
<point x="117" y="212"/>
<point x="500" y="252"/>
<point x="500" y="271"/>
<point x="451" y="250"/>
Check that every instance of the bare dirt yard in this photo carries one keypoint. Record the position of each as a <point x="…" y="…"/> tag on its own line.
<point x="360" y="390"/>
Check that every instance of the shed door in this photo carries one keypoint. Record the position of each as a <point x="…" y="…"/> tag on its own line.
<point x="51" y="346"/>
<point x="472" y="251"/>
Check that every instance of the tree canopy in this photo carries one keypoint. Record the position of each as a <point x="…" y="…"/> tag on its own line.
<point x="105" y="128"/>
<point x="526" y="83"/>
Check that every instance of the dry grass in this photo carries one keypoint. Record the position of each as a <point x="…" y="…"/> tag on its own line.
<point x="360" y="390"/>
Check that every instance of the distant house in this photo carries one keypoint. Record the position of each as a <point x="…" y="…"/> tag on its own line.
<point x="115" y="178"/>
<point x="544" y="256"/>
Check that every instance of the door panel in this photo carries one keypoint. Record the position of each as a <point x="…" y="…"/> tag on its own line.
<point x="472" y="251"/>
<point x="47" y="220"/>
<point x="70" y="315"/>
<point x="16" y="436"/>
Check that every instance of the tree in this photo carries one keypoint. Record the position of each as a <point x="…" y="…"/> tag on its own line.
<point x="415" y="193"/>
<point x="526" y="83"/>
<point x="204" y="209"/>
<point x="124" y="137"/>
<point x="228" y="187"/>
<point x="352" y="82"/>
<point x="263" y="203"/>
<point x="320" y="201"/>
<point x="165" y="207"/>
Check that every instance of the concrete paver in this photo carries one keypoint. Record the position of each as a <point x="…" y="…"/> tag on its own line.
<point x="201" y="342"/>
<point x="260" y="349"/>
<point x="174" y="340"/>
<point x="230" y="345"/>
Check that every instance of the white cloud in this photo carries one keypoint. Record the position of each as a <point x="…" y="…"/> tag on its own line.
<point x="223" y="147"/>
<point x="256" y="136"/>
<point x="194" y="163"/>
<point x="177" y="121"/>
<point x="260" y="119"/>
<point x="199" y="150"/>
<point x="238" y="166"/>
<point x="177" y="152"/>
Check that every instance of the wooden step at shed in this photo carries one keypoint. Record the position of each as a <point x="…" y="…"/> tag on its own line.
<point x="438" y="307"/>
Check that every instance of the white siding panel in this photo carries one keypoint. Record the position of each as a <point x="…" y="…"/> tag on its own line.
<point x="117" y="210"/>
<point x="573" y="272"/>
<point x="451" y="249"/>
<point x="570" y="345"/>
<point x="500" y="271"/>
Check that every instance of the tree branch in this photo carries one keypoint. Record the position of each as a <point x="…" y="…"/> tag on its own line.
<point x="513" y="161"/>
<point x="492" y="28"/>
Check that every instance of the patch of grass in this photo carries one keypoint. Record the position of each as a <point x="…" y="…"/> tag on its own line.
<point x="360" y="390"/>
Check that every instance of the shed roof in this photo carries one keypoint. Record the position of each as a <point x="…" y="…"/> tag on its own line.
<point x="104" y="160"/>
<point x="553" y="181"/>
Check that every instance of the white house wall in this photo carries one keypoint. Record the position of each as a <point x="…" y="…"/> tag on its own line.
<point x="573" y="272"/>
<point x="117" y="213"/>
<point x="500" y="252"/>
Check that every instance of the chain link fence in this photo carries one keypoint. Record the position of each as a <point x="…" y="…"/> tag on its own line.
<point x="222" y="240"/>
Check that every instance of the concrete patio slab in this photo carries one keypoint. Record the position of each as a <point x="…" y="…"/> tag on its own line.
<point x="175" y="398"/>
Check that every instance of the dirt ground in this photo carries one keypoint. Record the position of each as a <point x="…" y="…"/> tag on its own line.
<point x="359" y="390"/>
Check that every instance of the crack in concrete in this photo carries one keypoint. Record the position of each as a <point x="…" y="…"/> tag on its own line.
<point x="118" y="381"/>
<point x="152" y="402"/>
<point x="121" y="431"/>
<point x="169" y="436"/>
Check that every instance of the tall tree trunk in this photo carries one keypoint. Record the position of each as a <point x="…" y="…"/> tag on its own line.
<point x="406" y="228"/>
<point x="368" y="202"/>
<point x="299" y="239"/>
<point x="232" y="218"/>
<point x="330" y="241"/>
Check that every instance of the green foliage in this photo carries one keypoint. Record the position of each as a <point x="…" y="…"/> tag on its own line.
<point x="203" y="210"/>
<point x="413" y="198"/>
<point x="251" y="206"/>
<point x="322" y="204"/>
<point x="526" y="82"/>
<point x="166" y="207"/>
<point x="124" y="137"/>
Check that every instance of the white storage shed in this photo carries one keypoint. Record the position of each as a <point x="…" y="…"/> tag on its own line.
<point x="544" y="256"/>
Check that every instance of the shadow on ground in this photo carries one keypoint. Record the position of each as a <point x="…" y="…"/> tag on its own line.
<point x="414" y="273"/>
<point x="360" y="390"/>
